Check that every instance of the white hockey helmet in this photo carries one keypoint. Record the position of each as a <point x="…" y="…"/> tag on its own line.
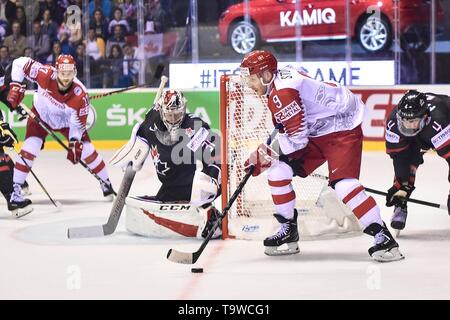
<point x="172" y="107"/>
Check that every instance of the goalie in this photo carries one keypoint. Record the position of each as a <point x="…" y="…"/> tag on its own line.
<point x="183" y="153"/>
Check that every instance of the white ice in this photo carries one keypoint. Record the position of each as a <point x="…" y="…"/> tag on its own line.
<point x="37" y="261"/>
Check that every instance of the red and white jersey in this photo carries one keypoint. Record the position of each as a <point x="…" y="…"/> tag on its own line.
<point x="310" y="108"/>
<point x="68" y="110"/>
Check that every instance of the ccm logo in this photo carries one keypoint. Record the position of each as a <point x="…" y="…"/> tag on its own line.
<point x="175" y="207"/>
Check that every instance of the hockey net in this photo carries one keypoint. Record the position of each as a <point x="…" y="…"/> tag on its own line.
<point x="245" y="123"/>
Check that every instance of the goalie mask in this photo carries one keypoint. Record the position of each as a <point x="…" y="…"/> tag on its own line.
<point x="412" y="111"/>
<point x="172" y="108"/>
<point x="66" y="71"/>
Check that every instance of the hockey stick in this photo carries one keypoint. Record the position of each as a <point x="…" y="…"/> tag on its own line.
<point x="102" y="95"/>
<point x="157" y="75"/>
<point x="116" y="211"/>
<point x="62" y="144"/>
<point x="382" y="193"/>
<point x="191" y="257"/>
<point x="57" y="204"/>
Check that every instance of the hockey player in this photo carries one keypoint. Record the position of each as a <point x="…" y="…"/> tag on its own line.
<point x="183" y="153"/>
<point x="421" y="121"/>
<point x="8" y="139"/>
<point x="320" y="122"/>
<point x="62" y="103"/>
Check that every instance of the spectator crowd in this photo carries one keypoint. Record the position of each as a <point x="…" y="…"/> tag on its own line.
<point x="110" y="44"/>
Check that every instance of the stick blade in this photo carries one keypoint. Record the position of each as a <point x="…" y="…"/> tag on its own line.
<point x="85" y="232"/>
<point x="181" y="257"/>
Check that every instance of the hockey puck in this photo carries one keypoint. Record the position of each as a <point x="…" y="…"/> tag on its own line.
<point x="197" y="270"/>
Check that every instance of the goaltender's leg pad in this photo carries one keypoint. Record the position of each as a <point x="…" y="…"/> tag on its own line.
<point x="150" y="218"/>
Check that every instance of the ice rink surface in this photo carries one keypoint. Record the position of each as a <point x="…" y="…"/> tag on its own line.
<point x="37" y="261"/>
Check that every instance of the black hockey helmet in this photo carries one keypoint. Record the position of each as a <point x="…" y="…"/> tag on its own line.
<point x="413" y="105"/>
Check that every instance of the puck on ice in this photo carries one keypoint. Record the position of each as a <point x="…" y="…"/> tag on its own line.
<point x="197" y="270"/>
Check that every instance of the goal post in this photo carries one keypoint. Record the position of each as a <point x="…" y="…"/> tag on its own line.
<point x="245" y="122"/>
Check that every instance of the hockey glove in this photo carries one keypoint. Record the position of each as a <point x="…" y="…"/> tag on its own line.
<point x="15" y="94"/>
<point x="75" y="150"/>
<point x="397" y="196"/>
<point x="262" y="159"/>
<point x="7" y="136"/>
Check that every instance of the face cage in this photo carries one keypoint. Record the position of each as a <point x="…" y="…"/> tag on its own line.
<point x="172" y="118"/>
<point x="409" y="132"/>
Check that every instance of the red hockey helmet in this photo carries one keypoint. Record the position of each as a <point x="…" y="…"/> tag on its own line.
<point x="258" y="61"/>
<point x="65" y="70"/>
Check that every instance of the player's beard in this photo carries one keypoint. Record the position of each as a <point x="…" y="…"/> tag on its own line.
<point x="61" y="85"/>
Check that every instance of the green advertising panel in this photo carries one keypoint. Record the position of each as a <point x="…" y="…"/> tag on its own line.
<point x="117" y="114"/>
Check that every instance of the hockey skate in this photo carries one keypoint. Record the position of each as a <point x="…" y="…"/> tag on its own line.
<point x="108" y="191"/>
<point x="213" y="215"/>
<point x="287" y="235"/>
<point x="398" y="220"/>
<point x="17" y="204"/>
<point x="385" y="248"/>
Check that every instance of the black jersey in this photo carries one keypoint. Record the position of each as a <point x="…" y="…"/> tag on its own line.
<point x="407" y="151"/>
<point x="5" y="79"/>
<point x="175" y="159"/>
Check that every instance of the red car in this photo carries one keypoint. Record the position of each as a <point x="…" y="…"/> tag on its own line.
<point x="371" y="22"/>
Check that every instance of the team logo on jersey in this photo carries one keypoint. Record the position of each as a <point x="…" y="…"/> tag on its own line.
<point x="35" y="68"/>
<point x="441" y="138"/>
<point x="436" y="126"/>
<point x="161" y="167"/>
<point x="392" y="137"/>
<point x="77" y="91"/>
<point x="288" y="112"/>
<point x="190" y="132"/>
<point x="154" y="128"/>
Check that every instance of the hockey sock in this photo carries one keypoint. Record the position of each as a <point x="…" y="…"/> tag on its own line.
<point x="94" y="161"/>
<point x="283" y="195"/>
<point x="364" y="207"/>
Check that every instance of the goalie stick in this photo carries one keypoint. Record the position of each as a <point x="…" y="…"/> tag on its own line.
<point x="116" y="211"/>
<point x="191" y="257"/>
<point x="382" y="193"/>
